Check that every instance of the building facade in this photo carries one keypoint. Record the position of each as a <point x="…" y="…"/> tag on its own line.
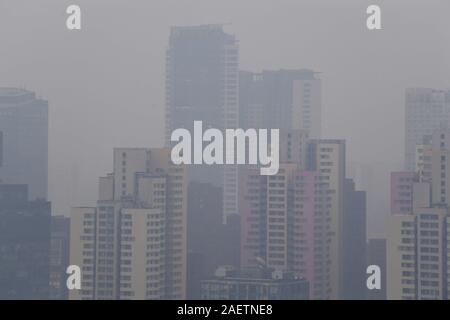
<point x="281" y="99"/>
<point x="59" y="257"/>
<point x="293" y="221"/>
<point x="202" y="84"/>
<point x="24" y="245"/>
<point x="355" y="243"/>
<point x="418" y="240"/>
<point x="24" y="140"/>
<point x="133" y="244"/>
<point x="376" y="255"/>
<point x="254" y="285"/>
<point x="425" y="111"/>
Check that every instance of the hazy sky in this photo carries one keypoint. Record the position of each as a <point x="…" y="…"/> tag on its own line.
<point x="105" y="83"/>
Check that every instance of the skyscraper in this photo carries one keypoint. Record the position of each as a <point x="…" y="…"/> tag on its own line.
<point x="281" y="99"/>
<point x="212" y="246"/>
<point x="24" y="127"/>
<point x="24" y="244"/>
<point x="425" y="111"/>
<point x="418" y="230"/>
<point x="202" y="84"/>
<point x="133" y="244"/>
<point x="355" y="243"/>
<point x="293" y="220"/>
<point x="327" y="157"/>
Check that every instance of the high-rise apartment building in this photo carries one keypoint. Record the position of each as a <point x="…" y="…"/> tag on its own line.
<point x="327" y="158"/>
<point x="402" y="192"/>
<point x="418" y="246"/>
<point x="202" y="84"/>
<point x="133" y="244"/>
<point x="425" y="111"/>
<point x="423" y="159"/>
<point x="417" y="254"/>
<point x="24" y="140"/>
<point x="281" y="99"/>
<point x="293" y="220"/>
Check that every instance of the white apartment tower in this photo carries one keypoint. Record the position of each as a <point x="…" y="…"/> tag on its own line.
<point x="133" y="244"/>
<point x="418" y="245"/>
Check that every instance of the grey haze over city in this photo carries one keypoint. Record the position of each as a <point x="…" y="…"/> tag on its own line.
<point x="105" y="83"/>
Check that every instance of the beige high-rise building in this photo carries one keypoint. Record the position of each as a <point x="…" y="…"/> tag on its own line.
<point x="82" y="249"/>
<point x="417" y="255"/>
<point x="401" y="257"/>
<point x="328" y="158"/>
<point x="133" y="244"/>
<point x="418" y="241"/>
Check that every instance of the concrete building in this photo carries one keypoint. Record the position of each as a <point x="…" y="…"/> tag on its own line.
<point x="418" y="254"/>
<point x="59" y="257"/>
<point x="402" y="192"/>
<point x="24" y="141"/>
<point x="423" y="161"/>
<point x="376" y="255"/>
<point x="133" y="244"/>
<point x="293" y="221"/>
<point x="425" y="111"/>
<point x="355" y="243"/>
<point x="327" y="157"/>
<point x="282" y="99"/>
<point x="202" y="84"/>
<point x="285" y="225"/>
<point x="418" y="241"/>
<point x="373" y="178"/>
<point x="24" y="245"/>
<point x="254" y="284"/>
<point x="211" y="243"/>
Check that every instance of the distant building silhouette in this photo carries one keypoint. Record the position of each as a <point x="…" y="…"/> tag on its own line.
<point x="24" y="140"/>
<point x="24" y="244"/>
<point x="355" y="243"/>
<point x="211" y="243"/>
<point x="254" y="284"/>
<point x="202" y="84"/>
<point x="425" y="111"/>
<point x="59" y="257"/>
<point x="376" y="255"/>
<point x="281" y="99"/>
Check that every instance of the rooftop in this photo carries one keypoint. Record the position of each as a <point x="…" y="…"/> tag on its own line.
<point x="15" y="95"/>
<point x="13" y="92"/>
